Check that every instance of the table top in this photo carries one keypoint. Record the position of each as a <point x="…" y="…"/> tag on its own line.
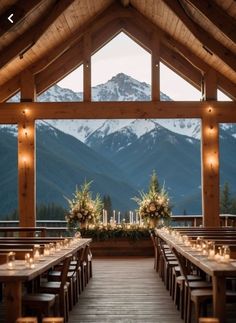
<point x="211" y="267"/>
<point x="21" y="273"/>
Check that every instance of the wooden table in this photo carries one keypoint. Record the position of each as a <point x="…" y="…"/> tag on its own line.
<point x="14" y="279"/>
<point x="218" y="272"/>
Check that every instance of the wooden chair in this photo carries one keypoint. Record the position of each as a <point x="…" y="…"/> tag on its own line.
<point x="154" y="243"/>
<point x="61" y="288"/>
<point x="27" y="320"/>
<point x="42" y="304"/>
<point x="196" y="292"/>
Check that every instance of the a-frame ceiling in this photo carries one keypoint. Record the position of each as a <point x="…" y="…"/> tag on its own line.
<point x="196" y="35"/>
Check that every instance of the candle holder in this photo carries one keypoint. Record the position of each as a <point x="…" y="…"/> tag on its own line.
<point x="11" y="260"/>
<point x="27" y="258"/>
<point x="36" y="252"/>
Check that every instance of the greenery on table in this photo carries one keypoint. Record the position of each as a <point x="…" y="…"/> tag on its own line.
<point x="106" y="233"/>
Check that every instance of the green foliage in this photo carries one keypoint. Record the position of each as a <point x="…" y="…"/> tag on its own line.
<point x="154" y="184"/>
<point x="226" y="200"/>
<point x="115" y="233"/>
<point x="50" y="211"/>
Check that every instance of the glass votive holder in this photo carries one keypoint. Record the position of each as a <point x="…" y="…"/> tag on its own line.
<point x="211" y="250"/>
<point x="46" y="250"/>
<point x="31" y="263"/>
<point x="11" y="260"/>
<point x="36" y="252"/>
<point x="27" y="258"/>
<point x="226" y="253"/>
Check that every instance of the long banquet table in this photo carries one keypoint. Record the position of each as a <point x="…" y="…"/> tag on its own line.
<point x="218" y="272"/>
<point x="13" y="279"/>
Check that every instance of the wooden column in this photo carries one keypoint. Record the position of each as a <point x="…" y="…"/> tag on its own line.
<point x="26" y="155"/>
<point x="155" y="68"/>
<point x="87" y="67"/>
<point x="210" y="155"/>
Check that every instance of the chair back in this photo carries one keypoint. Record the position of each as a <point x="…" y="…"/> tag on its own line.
<point x="182" y="264"/>
<point x="64" y="271"/>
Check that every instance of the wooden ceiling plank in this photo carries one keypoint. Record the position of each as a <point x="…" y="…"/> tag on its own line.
<point x="225" y="84"/>
<point x="21" y="10"/>
<point x="208" y="42"/>
<point x="22" y="44"/>
<point x="225" y="23"/>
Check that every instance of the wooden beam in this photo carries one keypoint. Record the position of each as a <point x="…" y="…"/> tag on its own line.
<point x="155" y="84"/>
<point x="181" y="66"/>
<point x="224" y="22"/>
<point x="21" y="10"/>
<point x="65" y="64"/>
<point x="73" y="57"/>
<point x="223" y="111"/>
<point x="210" y="170"/>
<point x="26" y="156"/>
<point x="202" y="35"/>
<point x="210" y="155"/>
<point x="87" y="67"/>
<point x="28" y="93"/>
<point x="23" y="43"/>
<point x="210" y="85"/>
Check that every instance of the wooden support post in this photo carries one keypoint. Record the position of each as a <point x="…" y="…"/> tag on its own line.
<point x="26" y="155"/>
<point x="210" y="156"/>
<point x="210" y="85"/>
<point x="155" y="68"/>
<point x="87" y="67"/>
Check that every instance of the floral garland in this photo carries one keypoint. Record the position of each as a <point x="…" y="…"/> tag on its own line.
<point x="83" y="210"/>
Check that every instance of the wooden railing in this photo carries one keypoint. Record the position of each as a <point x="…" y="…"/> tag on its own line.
<point x="57" y="227"/>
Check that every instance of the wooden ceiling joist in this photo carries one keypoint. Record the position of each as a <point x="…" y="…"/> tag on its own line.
<point x="225" y="23"/>
<point x="62" y="60"/>
<point x="23" y="43"/>
<point x="208" y="42"/>
<point x="21" y="10"/>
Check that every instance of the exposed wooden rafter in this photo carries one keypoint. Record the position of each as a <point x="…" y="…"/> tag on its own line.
<point x="54" y="66"/>
<point x="26" y="41"/>
<point x="205" y="38"/>
<point x="20" y="11"/>
<point x="225" y="23"/>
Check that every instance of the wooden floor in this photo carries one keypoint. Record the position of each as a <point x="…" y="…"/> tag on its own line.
<point x="125" y="290"/>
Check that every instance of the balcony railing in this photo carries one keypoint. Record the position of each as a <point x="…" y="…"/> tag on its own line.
<point x="176" y="220"/>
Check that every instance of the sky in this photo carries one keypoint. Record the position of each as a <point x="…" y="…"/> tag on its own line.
<point x="124" y="55"/>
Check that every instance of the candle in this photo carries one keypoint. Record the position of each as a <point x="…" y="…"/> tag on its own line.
<point x="119" y="217"/>
<point x="31" y="263"/>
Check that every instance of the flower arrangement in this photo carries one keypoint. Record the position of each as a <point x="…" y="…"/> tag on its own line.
<point x="153" y="205"/>
<point x="83" y="209"/>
